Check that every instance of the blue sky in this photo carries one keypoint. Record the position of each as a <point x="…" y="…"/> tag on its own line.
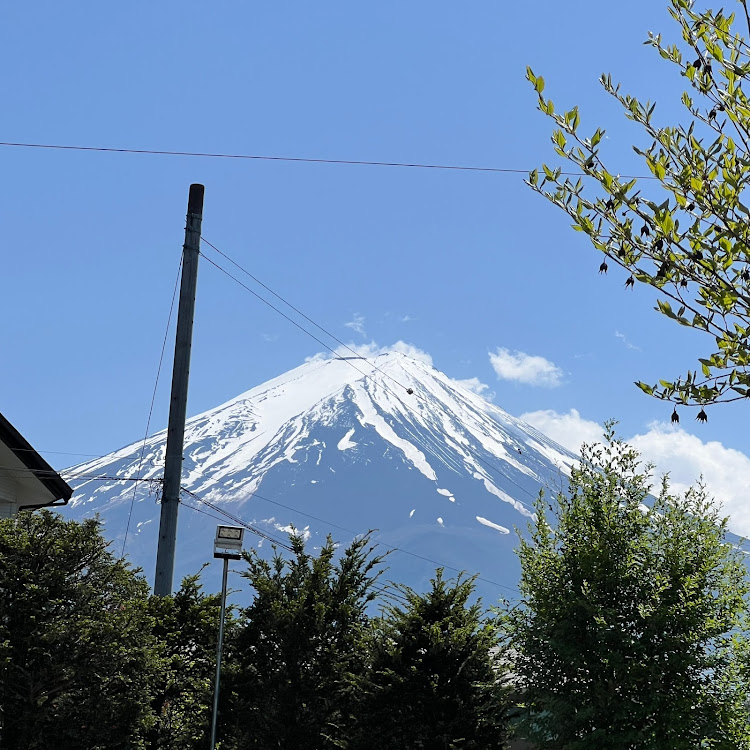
<point x="471" y="267"/>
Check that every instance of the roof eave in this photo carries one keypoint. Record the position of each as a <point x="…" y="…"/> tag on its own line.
<point x="25" y="453"/>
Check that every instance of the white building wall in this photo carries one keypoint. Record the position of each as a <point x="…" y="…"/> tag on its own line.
<point x="18" y="485"/>
<point x="8" y="496"/>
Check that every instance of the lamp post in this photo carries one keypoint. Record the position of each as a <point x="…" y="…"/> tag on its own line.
<point x="227" y="546"/>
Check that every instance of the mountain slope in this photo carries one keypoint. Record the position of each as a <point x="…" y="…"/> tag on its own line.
<point x="340" y="446"/>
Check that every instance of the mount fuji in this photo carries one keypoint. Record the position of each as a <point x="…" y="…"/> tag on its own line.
<point x="339" y="446"/>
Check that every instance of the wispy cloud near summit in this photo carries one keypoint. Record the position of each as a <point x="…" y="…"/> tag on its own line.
<point x="357" y="324"/>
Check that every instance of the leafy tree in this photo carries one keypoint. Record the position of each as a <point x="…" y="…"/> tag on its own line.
<point x="298" y="653"/>
<point x="628" y="633"/>
<point x="436" y="680"/>
<point x="186" y="626"/>
<point x="686" y="231"/>
<point x="76" y="649"/>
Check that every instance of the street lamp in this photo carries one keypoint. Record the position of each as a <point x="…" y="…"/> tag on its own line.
<point x="228" y="546"/>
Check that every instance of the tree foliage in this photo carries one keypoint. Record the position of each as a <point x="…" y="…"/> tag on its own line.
<point x="628" y="633"/>
<point x="89" y="660"/>
<point x="77" y="652"/>
<point x="186" y="628"/>
<point x="691" y="239"/>
<point x="299" y="652"/>
<point x="435" y="680"/>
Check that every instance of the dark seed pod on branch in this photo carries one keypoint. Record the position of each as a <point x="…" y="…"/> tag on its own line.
<point x="675" y="416"/>
<point x="645" y="230"/>
<point x="690" y="206"/>
<point x="697" y="255"/>
<point x="630" y="282"/>
<point x="745" y="274"/>
<point x="697" y="64"/>
<point x="684" y="283"/>
<point x="603" y="267"/>
<point x="659" y="244"/>
<point x="702" y="416"/>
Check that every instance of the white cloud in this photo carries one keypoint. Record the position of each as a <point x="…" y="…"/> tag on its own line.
<point x="726" y="471"/>
<point x="686" y="457"/>
<point x="475" y="385"/>
<point x="525" y="368"/>
<point x="292" y="529"/>
<point x="368" y="351"/>
<point x="357" y="324"/>
<point x="626" y="341"/>
<point x="406" y="318"/>
<point x="409" y="350"/>
<point x="570" y="430"/>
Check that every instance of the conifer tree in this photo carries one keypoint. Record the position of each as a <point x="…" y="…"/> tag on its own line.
<point x="436" y="679"/>
<point x="299" y="652"/>
<point x="186" y="627"/>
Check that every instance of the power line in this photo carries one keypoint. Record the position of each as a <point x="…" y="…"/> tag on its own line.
<point x="110" y="478"/>
<point x="336" y="526"/>
<point x="72" y="476"/>
<point x="384" y="590"/>
<point x="291" y="320"/>
<point x="59" y="453"/>
<point x="385" y="544"/>
<point x="299" y="312"/>
<point x="303" y="159"/>
<point x="151" y="407"/>
<point x="254" y="529"/>
<point x="486" y="463"/>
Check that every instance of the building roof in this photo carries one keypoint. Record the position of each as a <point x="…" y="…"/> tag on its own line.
<point x="55" y="490"/>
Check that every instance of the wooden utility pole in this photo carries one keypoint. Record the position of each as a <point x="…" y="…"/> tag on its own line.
<point x="170" y="500"/>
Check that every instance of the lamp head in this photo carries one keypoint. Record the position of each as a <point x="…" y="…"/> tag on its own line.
<point x="228" y="542"/>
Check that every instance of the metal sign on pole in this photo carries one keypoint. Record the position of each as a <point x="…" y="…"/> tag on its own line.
<point x="170" y="501"/>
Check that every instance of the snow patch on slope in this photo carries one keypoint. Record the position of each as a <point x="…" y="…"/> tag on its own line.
<point x="346" y="442"/>
<point x="497" y="526"/>
<point x="369" y="416"/>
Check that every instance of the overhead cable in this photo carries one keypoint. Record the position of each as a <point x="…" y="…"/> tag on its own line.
<point x="151" y="406"/>
<point x="364" y="374"/>
<point x="300" y="313"/>
<point x="303" y="159"/>
<point x="384" y="590"/>
<point x="257" y="531"/>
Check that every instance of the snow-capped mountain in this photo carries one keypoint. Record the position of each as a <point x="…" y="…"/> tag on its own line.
<point x="342" y="445"/>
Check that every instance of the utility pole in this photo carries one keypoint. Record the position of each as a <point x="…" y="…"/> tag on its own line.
<point x="170" y="500"/>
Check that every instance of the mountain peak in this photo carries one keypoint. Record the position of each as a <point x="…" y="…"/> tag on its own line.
<point x="378" y="441"/>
